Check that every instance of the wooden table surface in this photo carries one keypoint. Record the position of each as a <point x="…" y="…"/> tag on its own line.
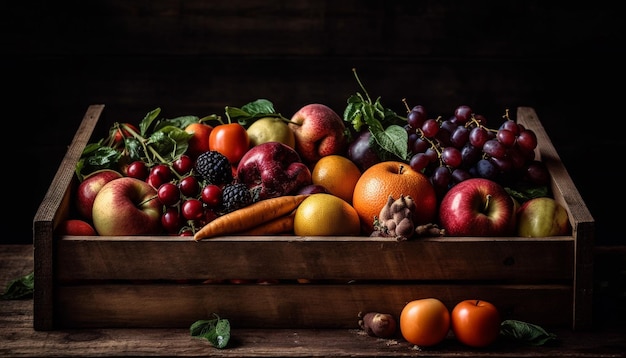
<point x="19" y="339"/>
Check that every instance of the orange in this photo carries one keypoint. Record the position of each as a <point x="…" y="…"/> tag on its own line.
<point x="199" y="143"/>
<point x="323" y="214"/>
<point x="337" y="174"/>
<point x="393" y="178"/>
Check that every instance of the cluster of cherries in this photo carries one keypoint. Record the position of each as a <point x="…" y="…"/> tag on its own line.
<point x="189" y="204"/>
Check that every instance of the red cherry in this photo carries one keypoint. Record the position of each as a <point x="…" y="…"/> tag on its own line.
<point x="212" y="195"/>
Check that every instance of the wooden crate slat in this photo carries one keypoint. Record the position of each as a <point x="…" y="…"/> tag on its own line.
<point x="289" y="306"/>
<point x="317" y="258"/>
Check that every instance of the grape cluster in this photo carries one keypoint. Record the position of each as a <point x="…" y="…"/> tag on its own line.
<point x="463" y="146"/>
<point x="189" y="202"/>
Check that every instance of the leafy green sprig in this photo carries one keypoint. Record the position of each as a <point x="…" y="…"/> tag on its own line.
<point x="161" y="140"/>
<point x="216" y="331"/>
<point x="385" y="125"/>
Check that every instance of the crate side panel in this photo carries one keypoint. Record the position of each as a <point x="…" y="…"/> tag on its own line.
<point x="583" y="225"/>
<point x="54" y="206"/>
<point x="291" y="305"/>
<point x="529" y="260"/>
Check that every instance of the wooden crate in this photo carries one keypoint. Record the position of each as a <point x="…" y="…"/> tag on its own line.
<point x="157" y="281"/>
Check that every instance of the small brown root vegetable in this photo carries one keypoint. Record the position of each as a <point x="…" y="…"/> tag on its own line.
<point x="396" y="218"/>
<point x="377" y="324"/>
<point x="429" y="230"/>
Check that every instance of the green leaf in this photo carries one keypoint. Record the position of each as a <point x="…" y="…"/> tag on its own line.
<point x="102" y="158"/>
<point x="527" y="333"/>
<point x="180" y="122"/>
<point x="524" y="191"/>
<point x="147" y="121"/>
<point x="20" y="288"/>
<point x="394" y="140"/>
<point x="260" y="106"/>
<point x="252" y="111"/>
<point x="216" y="331"/>
<point x="390" y="137"/>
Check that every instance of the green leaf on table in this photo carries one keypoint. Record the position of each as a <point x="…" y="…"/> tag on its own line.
<point x="216" y="331"/>
<point x="20" y="288"/>
<point x="527" y="333"/>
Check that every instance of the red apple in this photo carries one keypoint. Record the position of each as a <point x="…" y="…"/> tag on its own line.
<point x="319" y="132"/>
<point x="127" y="206"/>
<point x="475" y="323"/>
<point x="273" y="169"/>
<point x="541" y="217"/>
<point x="89" y="188"/>
<point x="75" y="227"/>
<point x="477" y="207"/>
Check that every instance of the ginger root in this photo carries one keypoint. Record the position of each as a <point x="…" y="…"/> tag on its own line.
<point x="396" y="220"/>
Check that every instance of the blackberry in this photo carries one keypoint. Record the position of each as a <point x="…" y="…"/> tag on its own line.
<point x="214" y="167"/>
<point x="235" y="196"/>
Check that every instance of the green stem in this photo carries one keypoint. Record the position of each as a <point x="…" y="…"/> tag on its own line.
<point x="369" y="100"/>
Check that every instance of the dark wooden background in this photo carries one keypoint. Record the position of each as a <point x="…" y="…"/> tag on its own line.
<point x="196" y="57"/>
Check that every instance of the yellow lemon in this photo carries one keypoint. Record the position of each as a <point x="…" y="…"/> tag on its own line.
<point x="324" y="214"/>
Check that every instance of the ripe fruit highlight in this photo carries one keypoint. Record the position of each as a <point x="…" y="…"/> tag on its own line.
<point x="323" y="214"/>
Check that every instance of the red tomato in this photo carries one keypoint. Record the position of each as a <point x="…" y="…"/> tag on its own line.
<point x="476" y="323"/>
<point x="231" y="140"/>
<point x="425" y="322"/>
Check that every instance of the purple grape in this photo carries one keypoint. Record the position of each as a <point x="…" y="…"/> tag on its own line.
<point x="463" y="113"/>
<point x="430" y="128"/>
<point x="416" y="117"/>
<point x="486" y="169"/>
<point x="459" y="137"/>
<point x="494" y="148"/>
<point x="419" y="162"/>
<point x="451" y="157"/>
<point x="478" y="136"/>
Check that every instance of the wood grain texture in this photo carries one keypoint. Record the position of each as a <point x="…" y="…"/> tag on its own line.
<point x="19" y="339"/>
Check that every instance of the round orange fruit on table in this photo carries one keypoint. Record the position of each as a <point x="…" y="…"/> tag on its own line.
<point x="393" y="178"/>
<point x="338" y="174"/>
<point x="323" y="214"/>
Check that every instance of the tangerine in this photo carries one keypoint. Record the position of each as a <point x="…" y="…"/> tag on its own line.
<point x="393" y="178"/>
<point x="324" y="214"/>
<point x="337" y="174"/>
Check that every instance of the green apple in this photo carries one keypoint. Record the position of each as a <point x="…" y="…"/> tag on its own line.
<point x="542" y="217"/>
<point x="271" y="129"/>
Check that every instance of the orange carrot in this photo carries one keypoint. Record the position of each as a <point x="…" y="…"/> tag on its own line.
<point x="281" y="224"/>
<point x="250" y="216"/>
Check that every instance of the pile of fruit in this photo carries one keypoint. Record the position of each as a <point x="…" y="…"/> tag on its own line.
<point x="370" y="172"/>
